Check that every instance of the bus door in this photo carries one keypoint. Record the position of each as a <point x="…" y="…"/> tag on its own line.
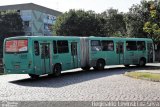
<point x="131" y="54"/>
<point x="45" y="57"/>
<point x="150" y="52"/>
<point x="120" y="52"/>
<point x="74" y="52"/>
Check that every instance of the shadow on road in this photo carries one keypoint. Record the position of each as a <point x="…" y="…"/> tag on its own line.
<point x="70" y="78"/>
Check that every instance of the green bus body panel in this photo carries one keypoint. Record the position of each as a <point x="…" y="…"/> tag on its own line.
<point x="112" y="58"/>
<point x="38" y="65"/>
<point x="29" y="63"/>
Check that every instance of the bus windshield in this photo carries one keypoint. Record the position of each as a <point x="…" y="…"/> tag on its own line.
<point x="16" y="46"/>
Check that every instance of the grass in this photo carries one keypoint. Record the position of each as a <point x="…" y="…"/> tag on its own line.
<point x="144" y="75"/>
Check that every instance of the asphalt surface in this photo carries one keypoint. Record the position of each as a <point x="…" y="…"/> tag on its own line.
<point x="77" y="85"/>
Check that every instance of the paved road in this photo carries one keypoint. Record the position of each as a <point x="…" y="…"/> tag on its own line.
<point x="109" y="84"/>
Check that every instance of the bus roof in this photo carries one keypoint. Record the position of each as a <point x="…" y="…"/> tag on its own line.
<point x="75" y="37"/>
<point x="42" y="37"/>
<point x="119" y="38"/>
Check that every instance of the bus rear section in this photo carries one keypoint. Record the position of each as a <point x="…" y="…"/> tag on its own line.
<point x="120" y="51"/>
<point x="16" y="56"/>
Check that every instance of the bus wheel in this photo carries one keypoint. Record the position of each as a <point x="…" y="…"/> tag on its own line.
<point x="142" y="62"/>
<point x="95" y="68"/>
<point x="86" y="68"/>
<point x="100" y="65"/>
<point x="33" y="76"/>
<point x="57" y="70"/>
<point x="126" y="65"/>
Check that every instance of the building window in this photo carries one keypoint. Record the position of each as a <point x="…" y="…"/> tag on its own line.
<point x="48" y="27"/>
<point x="26" y="15"/>
<point x="18" y="11"/>
<point x="45" y="26"/>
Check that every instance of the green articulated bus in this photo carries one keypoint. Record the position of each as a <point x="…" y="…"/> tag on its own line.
<point x="39" y="55"/>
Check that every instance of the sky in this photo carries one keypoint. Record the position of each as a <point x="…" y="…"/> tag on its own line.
<point x="64" y="5"/>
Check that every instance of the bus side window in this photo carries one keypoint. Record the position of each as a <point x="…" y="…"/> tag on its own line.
<point x="131" y="45"/>
<point x="55" y="47"/>
<point x="62" y="46"/>
<point x="47" y="51"/>
<point x="141" y="45"/>
<point x="36" y="48"/>
<point x="107" y="45"/>
<point x="119" y="47"/>
<point x="96" y="45"/>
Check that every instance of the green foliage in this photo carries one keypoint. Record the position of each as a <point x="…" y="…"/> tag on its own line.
<point x="135" y="20"/>
<point x="151" y="27"/>
<point x="114" y="23"/>
<point x="144" y="75"/>
<point x="78" y="23"/>
<point x="148" y="27"/>
<point x="155" y="27"/>
<point x="10" y="25"/>
<point x="142" y="20"/>
<point x="81" y="23"/>
<point x="153" y="14"/>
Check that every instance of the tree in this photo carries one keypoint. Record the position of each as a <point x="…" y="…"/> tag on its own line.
<point x="10" y="25"/>
<point x="152" y="25"/>
<point x="135" y="20"/>
<point x="114" y="23"/>
<point x="79" y="23"/>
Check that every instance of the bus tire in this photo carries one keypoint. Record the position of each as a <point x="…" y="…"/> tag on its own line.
<point x="126" y="65"/>
<point x="100" y="65"/>
<point x="86" y="68"/>
<point x="57" y="70"/>
<point x="33" y="76"/>
<point x="142" y="62"/>
<point x="95" y="68"/>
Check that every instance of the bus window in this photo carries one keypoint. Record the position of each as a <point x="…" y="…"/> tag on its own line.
<point x="45" y="51"/>
<point x="119" y="48"/>
<point x="131" y="45"/>
<point x="107" y="45"/>
<point x="74" y="48"/>
<point x="54" y="47"/>
<point x="36" y="48"/>
<point x="96" y="45"/>
<point x="141" y="45"/>
<point x="62" y="46"/>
